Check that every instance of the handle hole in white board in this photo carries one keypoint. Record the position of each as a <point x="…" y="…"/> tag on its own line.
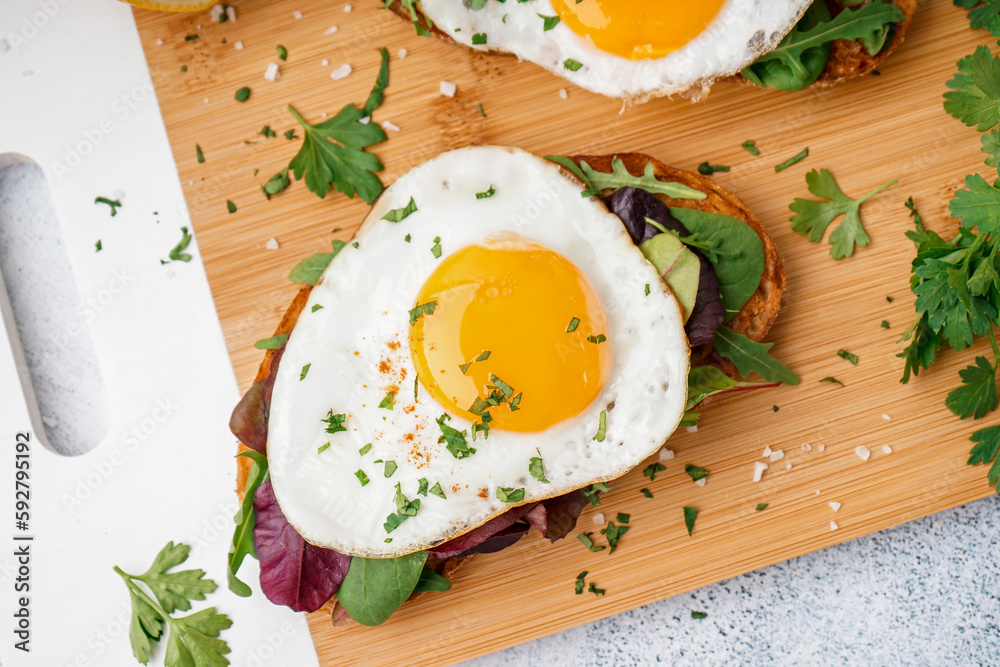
<point x="50" y="321"/>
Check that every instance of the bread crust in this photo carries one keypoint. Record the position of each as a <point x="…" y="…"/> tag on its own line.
<point x="753" y="320"/>
<point x="848" y="58"/>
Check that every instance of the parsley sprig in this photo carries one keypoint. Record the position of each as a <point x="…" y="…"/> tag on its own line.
<point x="192" y="639"/>
<point x="333" y="152"/>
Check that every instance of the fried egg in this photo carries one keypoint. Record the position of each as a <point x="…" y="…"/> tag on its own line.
<point x="489" y="339"/>
<point x="632" y="49"/>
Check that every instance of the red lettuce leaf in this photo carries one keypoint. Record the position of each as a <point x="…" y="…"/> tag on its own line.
<point x="555" y="518"/>
<point x="249" y="419"/>
<point x="293" y="572"/>
<point x="507" y="537"/>
<point x="478" y="536"/>
<point x="708" y="313"/>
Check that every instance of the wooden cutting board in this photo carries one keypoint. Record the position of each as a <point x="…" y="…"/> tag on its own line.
<point x="867" y="132"/>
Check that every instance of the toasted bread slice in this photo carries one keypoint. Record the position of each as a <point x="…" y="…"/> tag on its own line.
<point x="848" y="58"/>
<point x="754" y="319"/>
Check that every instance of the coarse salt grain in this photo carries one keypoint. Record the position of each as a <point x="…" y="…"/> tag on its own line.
<point x="389" y="127"/>
<point x="666" y="454"/>
<point x="216" y="12"/>
<point x="886" y="449"/>
<point x="777" y="455"/>
<point x="340" y="72"/>
<point x="329" y="31"/>
<point x="834" y="505"/>
<point x="822" y="448"/>
<point x="348" y="8"/>
<point x="272" y="72"/>
<point x="806" y="447"/>
<point x="238" y="45"/>
<point x="297" y="14"/>
<point x="51" y="422"/>
<point x="833" y="525"/>
<point x="788" y="466"/>
<point x="767" y="450"/>
<point x="4" y="47"/>
<point x="231" y="13"/>
<point x="701" y="482"/>
<point x="448" y="89"/>
<point x="598" y="518"/>
<point x="206" y="100"/>
<point x="863" y="452"/>
<point x="758" y="470"/>
<point x="818" y="492"/>
<point x="365" y="120"/>
<point x="692" y="429"/>
<point x="324" y="62"/>
<point x="886" y="417"/>
<point x="563" y="94"/>
<point x="402" y="53"/>
<point x="272" y="244"/>
<point x="118" y="193"/>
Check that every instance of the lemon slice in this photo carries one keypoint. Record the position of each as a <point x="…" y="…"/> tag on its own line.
<point x="173" y="5"/>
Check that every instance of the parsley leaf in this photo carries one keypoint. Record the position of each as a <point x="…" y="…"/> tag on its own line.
<point x="695" y="472"/>
<point x="651" y="470"/>
<point x="332" y="153"/>
<point x="593" y="492"/>
<point x="509" y="494"/>
<point x="455" y="440"/>
<point x="974" y="97"/>
<point x="986" y="451"/>
<point x="613" y="533"/>
<point x="813" y="217"/>
<point x="979" y="206"/>
<point x="978" y="394"/>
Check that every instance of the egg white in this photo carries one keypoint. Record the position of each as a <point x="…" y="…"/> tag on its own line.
<point x="741" y="32"/>
<point x="366" y="294"/>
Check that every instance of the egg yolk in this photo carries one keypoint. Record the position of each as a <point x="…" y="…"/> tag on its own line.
<point x="638" y="28"/>
<point x="496" y="348"/>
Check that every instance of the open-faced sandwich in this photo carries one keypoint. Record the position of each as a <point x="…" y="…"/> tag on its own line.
<point x="639" y="49"/>
<point x="504" y="335"/>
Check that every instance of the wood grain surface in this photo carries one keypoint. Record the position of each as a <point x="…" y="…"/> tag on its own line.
<point x="867" y="132"/>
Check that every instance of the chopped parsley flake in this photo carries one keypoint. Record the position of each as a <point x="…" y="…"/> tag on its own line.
<point x="479" y="38"/>
<point x="323" y="448"/>
<point x="795" y="159"/>
<point x="316" y="307"/>
<point x="646" y="492"/>
<point x="589" y="543"/>
<point x="508" y="494"/>
<point x="572" y="65"/>
<point x="242" y="95"/>
<point x="592" y="491"/>
<point x="282" y="52"/>
<point x="573" y="324"/>
<point x="177" y="253"/>
<point x="652" y="469"/>
<point x="422" y="486"/>
<point x="602" y="425"/>
<point x="199" y="153"/>
<point x="364" y="450"/>
<point x="362" y="477"/>
<point x="436" y="248"/>
<point x="613" y="533"/>
<point x="599" y="338"/>
<point x="751" y="147"/>
<point x="833" y="380"/>
<point x="595" y="590"/>
<point x="486" y="195"/>
<point x="548" y="22"/>
<point x="398" y="214"/>
<point x="272" y="343"/>
<point x="844" y="354"/>
<point x="230" y="206"/>
<point x="407" y="238"/>
<point x="455" y="440"/>
<point x="690" y="514"/>
<point x="390" y="468"/>
<point x="647" y="289"/>
<point x="98" y="247"/>
<point x="305" y="371"/>
<point x="698" y="615"/>
<point x="481" y="112"/>
<point x="707" y="169"/>
<point x="113" y="203"/>
<point x="436" y="490"/>
<point x="276" y="183"/>
<point x="761" y="507"/>
<point x="388" y="402"/>
<point x="420" y="310"/>
<point x="695" y="472"/>
<point x="290" y="134"/>
<point x="536" y="468"/>
<point x="406" y="508"/>
<point x="268" y="132"/>
<point x="885" y="324"/>
<point x="622" y="517"/>
<point x="335" y="423"/>
<point x="578" y="585"/>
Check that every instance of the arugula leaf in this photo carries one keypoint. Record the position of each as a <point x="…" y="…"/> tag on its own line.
<point x="332" y="153"/>
<point x="751" y="356"/>
<point x="986" y="451"/>
<point x="813" y="217"/>
<point x="620" y="178"/>
<point x="705" y="381"/>
<point x="800" y="57"/>
<point x="242" y="543"/>
<point x="978" y="394"/>
<point x="375" y="587"/>
<point x="310" y="270"/>
<point x="572" y="167"/>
